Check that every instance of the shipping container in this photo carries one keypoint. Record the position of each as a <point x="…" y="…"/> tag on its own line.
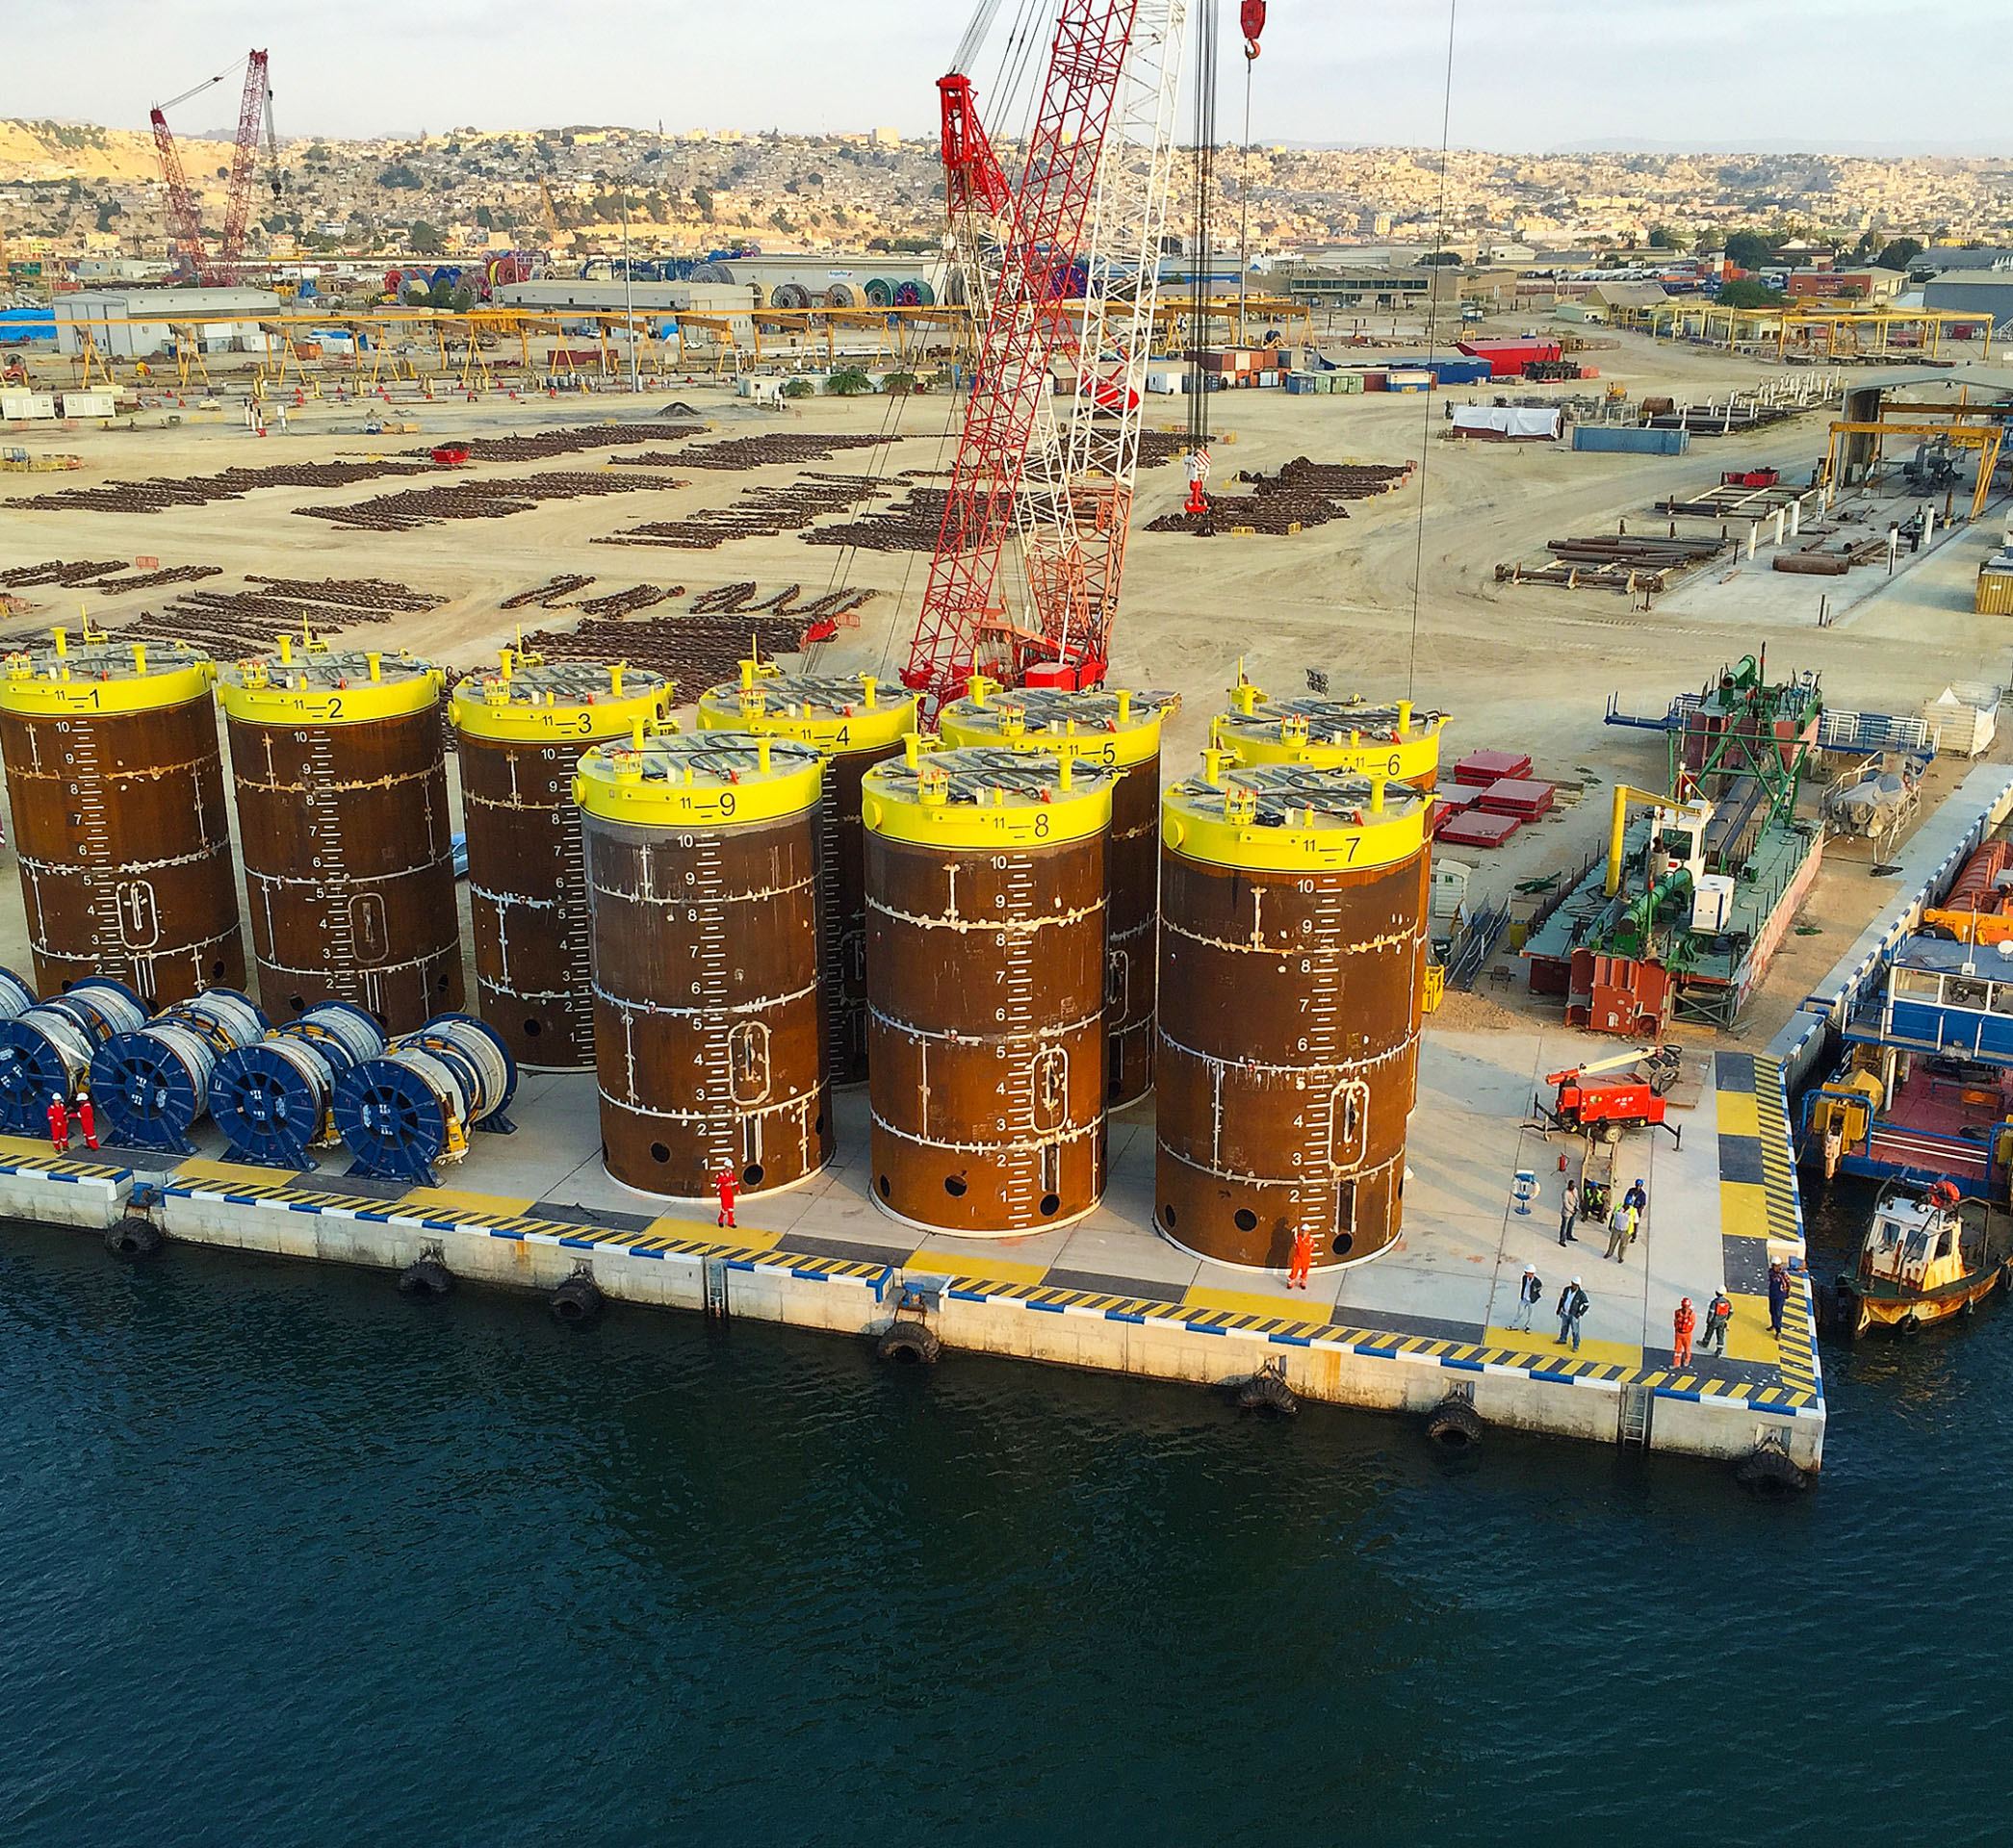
<point x="1348" y="383"/>
<point x="1374" y="381"/>
<point x="1628" y="438"/>
<point x="1995" y="586"/>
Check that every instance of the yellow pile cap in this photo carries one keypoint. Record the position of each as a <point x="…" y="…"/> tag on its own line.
<point x="837" y="714"/>
<point x="1117" y="725"/>
<point x="317" y="686"/>
<point x="1292" y="817"/>
<point x="98" y="675"/>
<point x="983" y="797"/>
<point x="527" y="700"/>
<point x="712" y="779"/>
<point x="1398" y="741"/>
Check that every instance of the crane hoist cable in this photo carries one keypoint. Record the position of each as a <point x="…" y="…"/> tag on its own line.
<point x="1199" y="258"/>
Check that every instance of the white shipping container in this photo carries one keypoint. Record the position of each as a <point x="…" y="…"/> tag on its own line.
<point x="21" y="406"/>
<point x="88" y="404"/>
<point x="1164" y="384"/>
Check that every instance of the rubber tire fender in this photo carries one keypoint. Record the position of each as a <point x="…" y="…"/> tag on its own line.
<point x="134" y="1238"/>
<point x="1454" y="1424"/>
<point x="908" y="1344"/>
<point x="1267" y="1393"/>
<point x="577" y="1302"/>
<point x="425" y="1278"/>
<point x="1770" y="1473"/>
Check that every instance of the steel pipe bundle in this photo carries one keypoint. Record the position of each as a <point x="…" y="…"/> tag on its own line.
<point x="45" y="1051"/>
<point x="273" y="1099"/>
<point x="153" y="1086"/>
<point x="416" y="1103"/>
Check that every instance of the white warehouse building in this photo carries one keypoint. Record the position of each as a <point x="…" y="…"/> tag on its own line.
<point x="139" y="323"/>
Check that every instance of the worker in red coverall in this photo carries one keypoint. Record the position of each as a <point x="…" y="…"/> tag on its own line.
<point x="59" y="1125"/>
<point x="1303" y="1260"/>
<point x="86" y="1118"/>
<point x="1682" y="1324"/>
<point x="725" y="1182"/>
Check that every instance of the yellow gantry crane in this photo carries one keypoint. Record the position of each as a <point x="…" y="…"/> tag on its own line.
<point x="1930" y="423"/>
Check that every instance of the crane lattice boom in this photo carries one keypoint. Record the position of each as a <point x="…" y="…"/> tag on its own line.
<point x="1025" y="325"/>
<point x="185" y="220"/>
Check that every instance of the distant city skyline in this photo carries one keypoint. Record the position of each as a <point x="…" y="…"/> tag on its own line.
<point x="1530" y="76"/>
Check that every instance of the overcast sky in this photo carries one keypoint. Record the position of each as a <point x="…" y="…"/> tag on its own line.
<point x="1529" y="74"/>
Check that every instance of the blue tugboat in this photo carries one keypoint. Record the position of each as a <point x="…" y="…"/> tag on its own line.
<point x="1924" y="1092"/>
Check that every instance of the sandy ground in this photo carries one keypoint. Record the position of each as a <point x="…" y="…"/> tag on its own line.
<point x="1398" y="599"/>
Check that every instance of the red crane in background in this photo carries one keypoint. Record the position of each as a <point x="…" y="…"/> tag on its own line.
<point x="184" y="220"/>
<point x="1064" y="266"/>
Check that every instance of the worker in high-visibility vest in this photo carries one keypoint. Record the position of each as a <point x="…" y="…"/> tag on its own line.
<point x="85" y="1118"/>
<point x="59" y="1125"/>
<point x="1682" y="1325"/>
<point x="725" y="1181"/>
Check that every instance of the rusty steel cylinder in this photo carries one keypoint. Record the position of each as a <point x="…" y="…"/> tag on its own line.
<point x="985" y="980"/>
<point x="1400" y="742"/>
<point x="116" y="781"/>
<point x="519" y="730"/>
<point x="340" y="776"/>
<point x="1292" y="971"/>
<point x="1118" y="728"/>
<point x="702" y="859"/>
<point x="855" y="723"/>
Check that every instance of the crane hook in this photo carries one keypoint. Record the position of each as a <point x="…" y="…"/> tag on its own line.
<point x="1251" y="22"/>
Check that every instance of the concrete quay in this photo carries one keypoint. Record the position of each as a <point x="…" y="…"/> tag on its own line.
<point x="1426" y="1321"/>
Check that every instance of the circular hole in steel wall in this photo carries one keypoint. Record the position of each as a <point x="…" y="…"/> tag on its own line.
<point x="658" y="1152"/>
<point x="1050" y="1203"/>
<point x="1342" y="1244"/>
<point x="954" y="1186"/>
<point x="1246" y="1220"/>
<point x="751" y="1176"/>
<point x="532" y="1029"/>
<point x="1167" y="1217"/>
<point x="295" y="1002"/>
<point x="883" y="1187"/>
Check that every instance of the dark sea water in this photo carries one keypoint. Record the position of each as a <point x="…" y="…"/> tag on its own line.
<point x="289" y="1559"/>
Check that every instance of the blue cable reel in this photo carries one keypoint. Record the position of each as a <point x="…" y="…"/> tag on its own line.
<point x="46" y="1050"/>
<point x="273" y="1099"/>
<point x="152" y="1087"/>
<point x="402" y="1113"/>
